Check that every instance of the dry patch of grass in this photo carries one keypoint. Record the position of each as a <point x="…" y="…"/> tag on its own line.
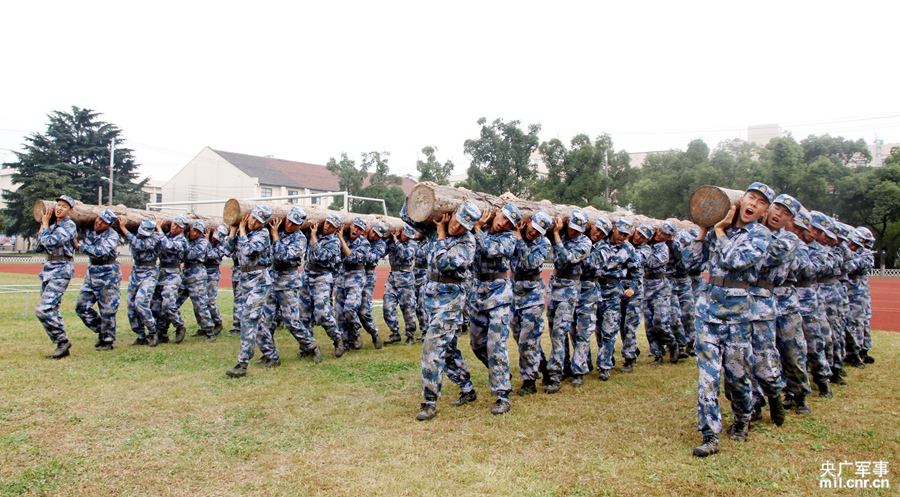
<point x="166" y="421"/>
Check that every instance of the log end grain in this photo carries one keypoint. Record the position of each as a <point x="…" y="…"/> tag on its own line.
<point x="708" y="205"/>
<point x="420" y="203"/>
<point x="231" y="214"/>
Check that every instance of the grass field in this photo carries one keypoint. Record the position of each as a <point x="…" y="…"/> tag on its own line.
<point x="166" y="421"/>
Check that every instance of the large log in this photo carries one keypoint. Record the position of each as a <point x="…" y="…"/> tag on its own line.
<point x="236" y="209"/>
<point x="85" y="214"/>
<point x="709" y="204"/>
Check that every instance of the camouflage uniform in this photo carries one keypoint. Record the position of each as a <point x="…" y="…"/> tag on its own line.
<point x="254" y="256"/>
<point x="586" y="310"/>
<point x="422" y="252"/>
<point x="527" y="322"/>
<point x="609" y="310"/>
<point x="101" y="283"/>
<point x="56" y="240"/>
<point x="194" y="278"/>
<point x="724" y="338"/>
<point x="631" y="306"/>
<point x="401" y="288"/>
<point x="377" y="250"/>
<point x="315" y="292"/>
<point x="348" y="297"/>
<point x="490" y="324"/>
<point x="231" y="251"/>
<point x="565" y="288"/>
<point x="687" y="262"/>
<point x="857" y="267"/>
<point x="817" y="330"/>
<point x="172" y="250"/>
<point x="213" y="260"/>
<point x="657" y="298"/>
<point x="142" y="282"/>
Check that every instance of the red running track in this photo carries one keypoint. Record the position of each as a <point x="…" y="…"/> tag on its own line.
<point x="885" y="291"/>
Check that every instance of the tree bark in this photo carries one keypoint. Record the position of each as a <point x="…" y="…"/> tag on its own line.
<point x="235" y="210"/>
<point x="709" y="204"/>
<point x="85" y="214"/>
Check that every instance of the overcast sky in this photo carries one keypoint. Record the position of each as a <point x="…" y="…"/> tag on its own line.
<point x="308" y="82"/>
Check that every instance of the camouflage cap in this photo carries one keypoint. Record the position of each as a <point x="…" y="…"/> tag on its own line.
<point x="380" y="228"/>
<point x="866" y="235"/>
<point x="790" y="203"/>
<point x="857" y="238"/>
<point x="624" y="225"/>
<point x="467" y="214"/>
<point x="262" y="213"/>
<point x="181" y="221"/>
<point x="843" y="231"/>
<point x="603" y="224"/>
<point x="108" y="216"/>
<point x="668" y="228"/>
<point x="646" y="230"/>
<point x="763" y="188"/>
<point x="578" y="221"/>
<point x="801" y="220"/>
<point x="409" y="231"/>
<point x="147" y="227"/>
<point x="334" y="220"/>
<point x="221" y="232"/>
<point x="296" y="215"/>
<point x="512" y="213"/>
<point x="199" y="225"/>
<point x="67" y="199"/>
<point x="695" y="232"/>
<point x="360" y="223"/>
<point x="541" y="222"/>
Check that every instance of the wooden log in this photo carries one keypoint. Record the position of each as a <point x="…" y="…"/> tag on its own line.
<point x="85" y="214"/>
<point x="709" y="204"/>
<point x="236" y="209"/>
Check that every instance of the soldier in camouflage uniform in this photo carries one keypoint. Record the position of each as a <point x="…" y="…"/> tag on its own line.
<point x="144" y="274"/>
<point x="565" y="288"/>
<point x="58" y="241"/>
<point x="101" y="281"/>
<point x="657" y="293"/>
<point x="666" y="235"/>
<point x="452" y="253"/>
<point x="632" y="295"/>
<point x="490" y="324"/>
<point x="589" y="296"/>
<point x="377" y="250"/>
<point x="217" y="250"/>
<point x="194" y="277"/>
<point x="422" y="253"/>
<point x="609" y="279"/>
<point x="254" y="254"/>
<point x="348" y="297"/>
<point x="683" y="289"/>
<point x="323" y="260"/>
<point x="527" y="324"/>
<point x="858" y="264"/>
<point x="401" y="284"/>
<point x="172" y="249"/>
<point x="283" y="301"/>
<point x="231" y="251"/>
<point x="734" y="250"/>
<point x="865" y="333"/>
<point x="829" y="265"/>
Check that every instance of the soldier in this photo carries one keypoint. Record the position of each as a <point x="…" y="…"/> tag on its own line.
<point x="144" y="275"/>
<point x="683" y="291"/>
<point x="401" y="284"/>
<point x="632" y="296"/>
<point x="829" y="265"/>
<point x="172" y="248"/>
<point x="866" y="344"/>
<point x="230" y="250"/>
<point x="657" y="293"/>
<point x="254" y="255"/>
<point x="859" y="262"/>
<point x="589" y="295"/>
<point x="609" y="309"/>
<point x="377" y="250"/>
<point x="194" y="277"/>
<point x="288" y="252"/>
<point x="59" y="241"/>
<point x="734" y="249"/>
<point x="422" y="252"/>
<point x="564" y="289"/>
<point x="217" y="250"/>
<point x="452" y="253"/>
<point x="101" y="282"/>
<point x="527" y="324"/>
<point x="315" y="291"/>
<point x="348" y="297"/>
<point x="490" y="324"/>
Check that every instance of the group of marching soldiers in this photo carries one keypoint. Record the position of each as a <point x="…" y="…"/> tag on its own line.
<point x="786" y="303"/>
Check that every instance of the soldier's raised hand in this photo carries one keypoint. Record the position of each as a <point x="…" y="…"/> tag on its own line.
<point x="45" y="217"/>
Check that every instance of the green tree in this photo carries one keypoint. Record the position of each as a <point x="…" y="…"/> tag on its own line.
<point x="356" y="180"/>
<point x="840" y="151"/>
<point x="70" y="158"/>
<point x="586" y="173"/>
<point x="501" y="158"/>
<point x="431" y="169"/>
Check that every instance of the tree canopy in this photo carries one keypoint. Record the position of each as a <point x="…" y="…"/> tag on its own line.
<point x="357" y="180"/>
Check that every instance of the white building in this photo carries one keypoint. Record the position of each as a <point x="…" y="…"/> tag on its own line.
<point x="218" y="175"/>
<point x="153" y="189"/>
<point x="6" y="183"/>
<point x="761" y="134"/>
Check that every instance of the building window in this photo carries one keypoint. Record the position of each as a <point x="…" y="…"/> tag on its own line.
<point x="265" y="191"/>
<point x="293" y="192"/>
<point x="314" y="201"/>
<point x="159" y="197"/>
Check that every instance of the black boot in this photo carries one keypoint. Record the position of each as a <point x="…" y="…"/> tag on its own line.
<point x="426" y="412"/>
<point x="152" y="339"/>
<point x="683" y="352"/>
<point x="551" y="387"/>
<point x="867" y="359"/>
<point x="376" y="341"/>
<point x="235" y="332"/>
<point x="673" y="354"/>
<point x="577" y="380"/>
<point x="62" y="350"/>
<point x="392" y="338"/>
<point x="605" y="374"/>
<point x="628" y="367"/>
<point x="315" y="353"/>
<point x="824" y="389"/>
<point x="501" y="406"/>
<point x="104" y="346"/>
<point x="139" y="341"/>
<point x="238" y="371"/>
<point x="738" y="431"/>
<point x="410" y="340"/>
<point x="339" y="348"/>
<point x="272" y="363"/>
<point x="837" y="379"/>
<point x="657" y="360"/>
<point x="212" y="335"/>
<point x="789" y="402"/>
<point x="357" y="343"/>
<point x="776" y="409"/>
<point x="528" y="387"/>
<point x="465" y="398"/>
<point x="801" y="408"/>
<point x="709" y="446"/>
<point x="854" y="361"/>
<point x="179" y="334"/>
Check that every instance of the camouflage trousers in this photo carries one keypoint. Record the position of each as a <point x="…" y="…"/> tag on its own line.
<point x="141" y="285"/>
<point x="561" y="317"/>
<point x="255" y="286"/>
<point x="440" y="352"/>
<point x="609" y="317"/>
<point x="585" y="326"/>
<point x="630" y="320"/>
<point x="165" y="300"/>
<point x="405" y="298"/>
<point x="657" y="318"/>
<point x="527" y="327"/>
<point x="723" y="346"/>
<point x="212" y="294"/>
<point x="100" y="288"/>
<point x="682" y="289"/>
<point x="856" y="327"/>
<point x="366" y="318"/>
<point x="348" y="304"/>
<point x="421" y="315"/>
<point x="55" y="279"/>
<point x="315" y="305"/>
<point x="489" y="335"/>
<point x="817" y="362"/>
<point x="833" y="312"/>
<point x="236" y="296"/>
<point x="283" y="304"/>
<point x="765" y="362"/>
<point x="792" y="349"/>
<point x="195" y="285"/>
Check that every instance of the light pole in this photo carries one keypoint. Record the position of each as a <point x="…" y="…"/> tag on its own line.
<point x="100" y="191"/>
<point x="112" y="153"/>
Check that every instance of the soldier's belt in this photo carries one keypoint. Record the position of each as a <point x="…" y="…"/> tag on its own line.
<point x="250" y="269"/>
<point x="371" y="267"/>
<point x="354" y="267"/>
<point x="439" y="278"/>
<point x="211" y="265"/>
<point x="401" y="268"/>
<point x="765" y="284"/>
<point x="102" y="261"/>
<point x="654" y="276"/>
<point x="500" y="275"/>
<point x="828" y="281"/>
<point x="285" y="266"/>
<point x="145" y="263"/>
<point x="170" y="266"/>
<point x="680" y="274"/>
<point x="694" y="273"/>
<point x="567" y="274"/>
<point x="804" y="283"/>
<point x="608" y="280"/>
<point x="58" y="258"/>
<point x="728" y="283"/>
<point x="527" y="275"/>
<point x="192" y="264"/>
<point x="312" y="267"/>
<point x="421" y="266"/>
